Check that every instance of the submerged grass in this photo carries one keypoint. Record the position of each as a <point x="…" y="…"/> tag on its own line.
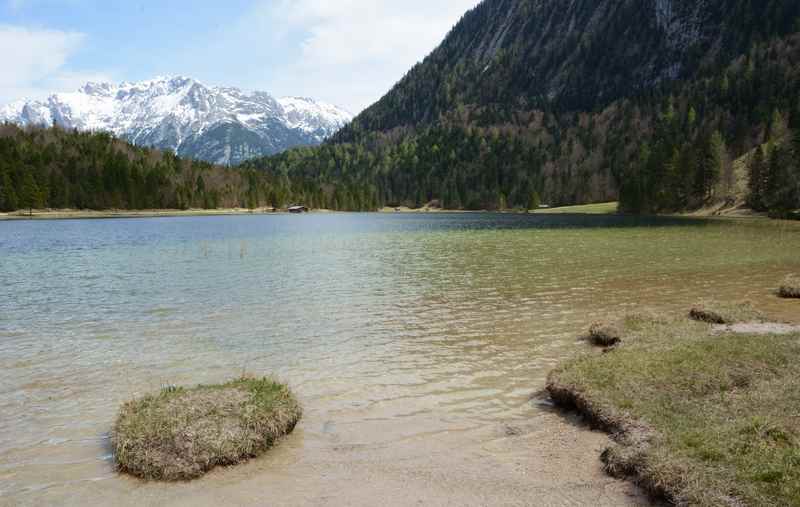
<point x="698" y="418"/>
<point x="180" y="434"/>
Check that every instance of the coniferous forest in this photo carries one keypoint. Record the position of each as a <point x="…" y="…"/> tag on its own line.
<point x="56" y="168"/>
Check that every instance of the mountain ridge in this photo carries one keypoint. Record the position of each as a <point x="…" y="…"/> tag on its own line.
<point x="223" y="125"/>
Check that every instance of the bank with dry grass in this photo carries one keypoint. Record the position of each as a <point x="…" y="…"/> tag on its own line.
<point x="714" y="312"/>
<point x="698" y="416"/>
<point x="180" y="434"/>
<point x="790" y="288"/>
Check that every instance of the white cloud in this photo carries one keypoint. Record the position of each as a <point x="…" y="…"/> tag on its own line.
<point x="34" y="62"/>
<point x="353" y="51"/>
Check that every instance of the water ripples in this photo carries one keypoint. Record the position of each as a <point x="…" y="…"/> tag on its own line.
<point x="390" y="328"/>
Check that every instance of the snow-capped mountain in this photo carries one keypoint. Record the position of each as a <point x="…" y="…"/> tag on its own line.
<point x="221" y="125"/>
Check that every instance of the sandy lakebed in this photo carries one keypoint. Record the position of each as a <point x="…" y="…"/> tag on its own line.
<point x="417" y="344"/>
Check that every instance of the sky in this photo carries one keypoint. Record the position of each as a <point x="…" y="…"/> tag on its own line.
<point x="346" y="52"/>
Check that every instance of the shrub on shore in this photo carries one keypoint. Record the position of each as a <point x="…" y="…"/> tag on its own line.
<point x="790" y="287"/>
<point x="698" y="418"/>
<point x="180" y="434"/>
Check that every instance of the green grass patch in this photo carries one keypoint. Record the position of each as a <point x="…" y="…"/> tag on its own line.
<point x="715" y="312"/>
<point x="180" y="434"/>
<point x="700" y="418"/>
<point x="604" y="208"/>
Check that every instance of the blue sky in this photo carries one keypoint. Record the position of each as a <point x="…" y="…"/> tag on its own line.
<point x="348" y="52"/>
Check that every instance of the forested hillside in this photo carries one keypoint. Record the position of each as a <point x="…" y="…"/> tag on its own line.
<point x="572" y="102"/>
<point x="56" y="168"/>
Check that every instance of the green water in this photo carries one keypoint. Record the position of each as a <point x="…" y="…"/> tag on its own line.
<point x="414" y="341"/>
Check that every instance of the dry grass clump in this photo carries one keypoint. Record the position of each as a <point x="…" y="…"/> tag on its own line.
<point x="697" y="418"/>
<point x="180" y="434"/>
<point x="790" y="287"/>
<point x="714" y="312"/>
<point x="604" y="334"/>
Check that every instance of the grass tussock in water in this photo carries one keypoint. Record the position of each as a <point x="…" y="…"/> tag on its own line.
<point x="604" y="334"/>
<point x="699" y="418"/>
<point x="715" y="312"/>
<point x="180" y="434"/>
<point x="790" y="287"/>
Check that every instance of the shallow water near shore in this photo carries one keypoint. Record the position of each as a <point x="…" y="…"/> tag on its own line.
<point x="416" y="343"/>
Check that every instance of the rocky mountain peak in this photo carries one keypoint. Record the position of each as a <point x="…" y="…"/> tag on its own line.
<point x="224" y="125"/>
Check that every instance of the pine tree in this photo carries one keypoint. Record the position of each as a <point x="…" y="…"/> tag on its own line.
<point x="534" y="201"/>
<point x="755" y="184"/>
<point x="502" y="202"/>
<point x="8" y="197"/>
<point x="777" y="130"/>
<point x="796" y="146"/>
<point x="29" y="196"/>
<point x="691" y="117"/>
<point x="724" y="168"/>
<point x="709" y="166"/>
<point x="780" y="196"/>
<point x="795" y="171"/>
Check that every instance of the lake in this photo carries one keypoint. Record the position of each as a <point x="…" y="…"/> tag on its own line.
<point x="417" y="343"/>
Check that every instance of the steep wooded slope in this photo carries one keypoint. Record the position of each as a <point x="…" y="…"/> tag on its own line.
<point x="574" y="55"/>
<point x="570" y="102"/>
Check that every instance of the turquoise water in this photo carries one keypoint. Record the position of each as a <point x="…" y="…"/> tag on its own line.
<point x="400" y="333"/>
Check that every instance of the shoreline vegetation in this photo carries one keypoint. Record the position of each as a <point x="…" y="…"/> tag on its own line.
<point x="73" y="214"/>
<point x="607" y="208"/>
<point x="701" y="407"/>
<point x="180" y="434"/>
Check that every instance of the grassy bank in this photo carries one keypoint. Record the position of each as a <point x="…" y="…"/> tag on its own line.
<point x="701" y="416"/>
<point x="605" y="208"/>
<point x="180" y="434"/>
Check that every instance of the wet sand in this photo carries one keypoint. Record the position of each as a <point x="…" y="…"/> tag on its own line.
<point x="550" y="460"/>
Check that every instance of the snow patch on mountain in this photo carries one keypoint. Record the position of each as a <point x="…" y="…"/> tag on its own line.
<point x="314" y="117"/>
<point x="219" y="124"/>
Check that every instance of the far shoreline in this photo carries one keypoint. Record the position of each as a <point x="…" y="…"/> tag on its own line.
<point x="75" y="214"/>
<point x="608" y="208"/>
<point x="72" y="214"/>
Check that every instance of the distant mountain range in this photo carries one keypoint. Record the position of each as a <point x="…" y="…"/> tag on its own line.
<point x="216" y="124"/>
